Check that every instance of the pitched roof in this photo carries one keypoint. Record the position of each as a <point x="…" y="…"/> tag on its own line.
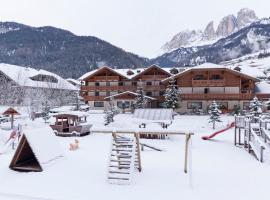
<point x="22" y="76"/>
<point x="207" y="66"/>
<point x="124" y="72"/>
<point x="129" y="92"/>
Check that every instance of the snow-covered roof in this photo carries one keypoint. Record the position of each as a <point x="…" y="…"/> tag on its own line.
<point x="214" y="66"/>
<point x="77" y="113"/>
<point x="262" y="87"/>
<point x="44" y="145"/>
<point x="22" y="76"/>
<point x="129" y="92"/>
<point x="74" y="81"/>
<point x="124" y="72"/>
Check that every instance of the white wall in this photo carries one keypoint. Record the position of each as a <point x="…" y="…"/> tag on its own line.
<point x="232" y="90"/>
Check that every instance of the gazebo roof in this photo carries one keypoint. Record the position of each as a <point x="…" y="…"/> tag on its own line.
<point x="9" y="111"/>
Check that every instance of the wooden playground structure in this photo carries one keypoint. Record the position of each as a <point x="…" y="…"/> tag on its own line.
<point x="125" y="152"/>
<point x="67" y="125"/>
<point x="253" y="134"/>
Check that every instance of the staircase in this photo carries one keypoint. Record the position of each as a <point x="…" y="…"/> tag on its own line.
<point x="124" y="157"/>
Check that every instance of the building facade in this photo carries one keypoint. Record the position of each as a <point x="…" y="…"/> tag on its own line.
<point x="105" y="82"/>
<point x="198" y="86"/>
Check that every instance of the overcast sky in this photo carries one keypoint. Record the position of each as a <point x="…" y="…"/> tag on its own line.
<point x="139" y="26"/>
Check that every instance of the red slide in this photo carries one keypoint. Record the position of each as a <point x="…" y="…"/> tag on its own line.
<point x="218" y="132"/>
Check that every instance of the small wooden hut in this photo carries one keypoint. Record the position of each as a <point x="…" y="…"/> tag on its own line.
<point x="36" y="150"/>
<point x="71" y="124"/>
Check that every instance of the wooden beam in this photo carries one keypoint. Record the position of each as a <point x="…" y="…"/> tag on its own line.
<point x="188" y="137"/>
<point x="138" y="151"/>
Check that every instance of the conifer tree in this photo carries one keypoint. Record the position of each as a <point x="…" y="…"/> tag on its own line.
<point x="140" y="99"/>
<point x="214" y="114"/>
<point x="171" y="95"/>
<point x="255" y="107"/>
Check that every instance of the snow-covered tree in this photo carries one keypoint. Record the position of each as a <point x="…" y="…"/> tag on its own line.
<point x="255" y="107"/>
<point x="214" y="114"/>
<point x="46" y="112"/>
<point x="111" y="112"/>
<point x="267" y="104"/>
<point x="236" y="109"/>
<point x="140" y="99"/>
<point x="171" y="95"/>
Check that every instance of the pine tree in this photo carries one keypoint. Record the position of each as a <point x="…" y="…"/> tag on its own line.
<point x="267" y="104"/>
<point x="108" y="117"/>
<point x="46" y="111"/>
<point x="255" y="107"/>
<point x="171" y="95"/>
<point x="214" y="114"/>
<point x="111" y="112"/>
<point x="140" y="99"/>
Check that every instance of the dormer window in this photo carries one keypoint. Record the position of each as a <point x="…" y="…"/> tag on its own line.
<point x="44" y="78"/>
<point x="216" y="77"/>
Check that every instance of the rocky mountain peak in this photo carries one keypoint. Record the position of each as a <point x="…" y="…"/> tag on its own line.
<point x="245" y="16"/>
<point x="209" y="32"/>
<point x="227" y="26"/>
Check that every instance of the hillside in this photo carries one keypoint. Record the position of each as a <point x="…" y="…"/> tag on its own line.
<point x="60" y="51"/>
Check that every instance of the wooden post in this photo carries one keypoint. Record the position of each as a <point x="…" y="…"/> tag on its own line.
<point x="186" y="151"/>
<point x="137" y="135"/>
<point x="12" y="121"/>
<point x="235" y="130"/>
<point x="261" y="157"/>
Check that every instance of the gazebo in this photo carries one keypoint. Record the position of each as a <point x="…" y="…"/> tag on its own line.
<point x="10" y="112"/>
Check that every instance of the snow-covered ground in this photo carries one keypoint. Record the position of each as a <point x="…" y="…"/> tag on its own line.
<point x="219" y="169"/>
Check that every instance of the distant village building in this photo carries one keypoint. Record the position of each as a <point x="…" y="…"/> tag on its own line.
<point x="198" y="86"/>
<point x="28" y="86"/>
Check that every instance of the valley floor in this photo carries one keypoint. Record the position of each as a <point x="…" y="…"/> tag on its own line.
<point x="219" y="169"/>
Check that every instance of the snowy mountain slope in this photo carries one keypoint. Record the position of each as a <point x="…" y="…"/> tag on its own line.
<point x="228" y="25"/>
<point x="250" y="39"/>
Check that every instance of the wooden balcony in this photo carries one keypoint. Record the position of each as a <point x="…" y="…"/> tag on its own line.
<point x="122" y="88"/>
<point x="239" y="96"/>
<point x="153" y="77"/>
<point x="208" y="83"/>
<point x="106" y="78"/>
<point x="93" y="98"/>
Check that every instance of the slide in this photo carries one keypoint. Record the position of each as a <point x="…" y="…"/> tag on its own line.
<point x="9" y="142"/>
<point x="218" y="132"/>
<point x="5" y="148"/>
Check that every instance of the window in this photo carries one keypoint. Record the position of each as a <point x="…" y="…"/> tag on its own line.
<point x="120" y="83"/>
<point x="148" y="83"/>
<point x="198" y="77"/>
<point x="223" y="105"/>
<point x="148" y="93"/>
<point x="215" y="77"/>
<point x="134" y="83"/>
<point x="98" y="104"/>
<point x="246" y="105"/>
<point x="96" y="83"/>
<point x="108" y="84"/>
<point x="108" y="94"/>
<point x="96" y="93"/>
<point x="206" y="90"/>
<point x="123" y="104"/>
<point x="161" y="93"/>
<point x="192" y="105"/>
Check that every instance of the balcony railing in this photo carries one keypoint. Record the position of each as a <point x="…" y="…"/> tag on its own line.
<point x="107" y="78"/>
<point x="122" y="88"/>
<point x="217" y="96"/>
<point x="153" y="77"/>
<point x="213" y="83"/>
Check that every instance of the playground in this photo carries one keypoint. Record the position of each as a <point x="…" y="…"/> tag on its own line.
<point x="217" y="165"/>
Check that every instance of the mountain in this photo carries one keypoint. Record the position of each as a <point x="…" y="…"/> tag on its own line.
<point x="60" y="51"/>
<point x="228" y="25"/>
<point x="250" y="39"/>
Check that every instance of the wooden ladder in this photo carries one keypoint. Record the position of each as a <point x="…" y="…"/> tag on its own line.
<point x="124" y="157"/>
